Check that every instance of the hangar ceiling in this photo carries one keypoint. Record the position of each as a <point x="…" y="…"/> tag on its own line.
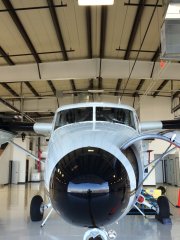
<point x="46" y="31"/>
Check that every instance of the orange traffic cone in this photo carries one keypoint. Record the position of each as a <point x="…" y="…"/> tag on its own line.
<point x="178" y="204"/>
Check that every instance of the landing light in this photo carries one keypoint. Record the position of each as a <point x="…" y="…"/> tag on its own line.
<point x="95" y="2"/>
<point x="90" y="150"/>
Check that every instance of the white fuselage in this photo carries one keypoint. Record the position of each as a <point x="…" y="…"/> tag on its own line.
<point x="106" y="135"/>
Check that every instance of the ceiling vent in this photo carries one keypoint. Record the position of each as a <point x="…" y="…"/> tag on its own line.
<point x="170" y="33"/>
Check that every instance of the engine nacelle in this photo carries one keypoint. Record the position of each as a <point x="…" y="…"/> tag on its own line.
<point x="91" y="187"/>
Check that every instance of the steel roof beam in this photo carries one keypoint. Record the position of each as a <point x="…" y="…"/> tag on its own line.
<point x="51" y="85"/>
<point x="5" y="85"/>
<point x="57" y="28"/>
<point x="163" y="84"/>
<point x="32" y="89"/>
<point x="73" y="87"/>
<point x="103" y="31"/>
<point x="15" y="109"/>
<point x="135" y="50"/>
<point x="176" y="94"/>
<point x="102" y="40"/>
<point x="9" y="89"/>
<point x="140" y="85"/>
<point x="10" y="62"/>
<point x="37" y="115"/>
<point x="6" y="57"/>
<point x="156" y="55"/>
<point x="100" y="86"/>
<point x="42" y="115"/>
<point x="39" y="53"/>
<point x="154" y="59"/>
<point x="58" y="34"/>
<point x="26" y="38"/>
<point x="89" y="31"/>
<point x="118" y="87"/>
<point x="145" y="5"/>
<point x="136" y="23"/>
<point x="91" y="84"/>
<point x="33" y="8"/>
<point x="21" y="29"/>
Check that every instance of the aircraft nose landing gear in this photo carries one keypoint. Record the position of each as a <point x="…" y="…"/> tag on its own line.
<point x="112" y="235"/>
<point x="98" y="234"/>
<point x="95" y="234"/>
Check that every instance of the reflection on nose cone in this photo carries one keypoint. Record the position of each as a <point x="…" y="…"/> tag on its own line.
<point x="90" y="188"/>
<point x="101" y="187"/>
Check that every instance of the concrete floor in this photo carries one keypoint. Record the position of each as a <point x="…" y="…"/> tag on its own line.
<point x="15" y="223"/>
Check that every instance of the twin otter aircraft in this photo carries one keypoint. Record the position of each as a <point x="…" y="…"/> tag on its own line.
<point x="94" y="171"/>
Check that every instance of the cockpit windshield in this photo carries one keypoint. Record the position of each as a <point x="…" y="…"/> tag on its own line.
<point x="85" y="114"/>
<point x="74" y="115"/>
<point x="115" y="115"/>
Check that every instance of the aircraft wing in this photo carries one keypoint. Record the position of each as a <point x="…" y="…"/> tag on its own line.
<point x="17" y="126"/>
<point x="6" y="136"/>
<point x="159" y="125"/>
<point x="9" y="130"/>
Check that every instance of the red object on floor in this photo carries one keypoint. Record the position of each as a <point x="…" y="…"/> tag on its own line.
<point x="141" y="199"/>
<point x="178" y="204"/>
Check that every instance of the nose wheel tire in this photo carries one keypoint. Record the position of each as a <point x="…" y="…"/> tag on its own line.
<point x="96" y="238"/>
<point x="36" y="208"/>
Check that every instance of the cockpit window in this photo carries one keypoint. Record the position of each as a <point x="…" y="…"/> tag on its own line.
<point x="115" y="115"/>
<point x="73" y="115"/>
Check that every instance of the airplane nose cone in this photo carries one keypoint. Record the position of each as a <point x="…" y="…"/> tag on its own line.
<point x="90" y="187"/>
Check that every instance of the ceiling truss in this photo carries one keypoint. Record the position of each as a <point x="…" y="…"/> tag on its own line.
<point x="98" y="77"/>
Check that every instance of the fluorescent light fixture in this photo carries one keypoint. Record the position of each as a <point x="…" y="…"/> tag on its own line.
<point x="173" y="11"/>
<point x="95" y="2"/>
<point x="95" y="90"/>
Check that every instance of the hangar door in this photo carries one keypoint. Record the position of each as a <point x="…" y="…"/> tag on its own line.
<point x="172" y="170"/>
<point x="15" y="172"/>
<point x="168" y="170"/>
